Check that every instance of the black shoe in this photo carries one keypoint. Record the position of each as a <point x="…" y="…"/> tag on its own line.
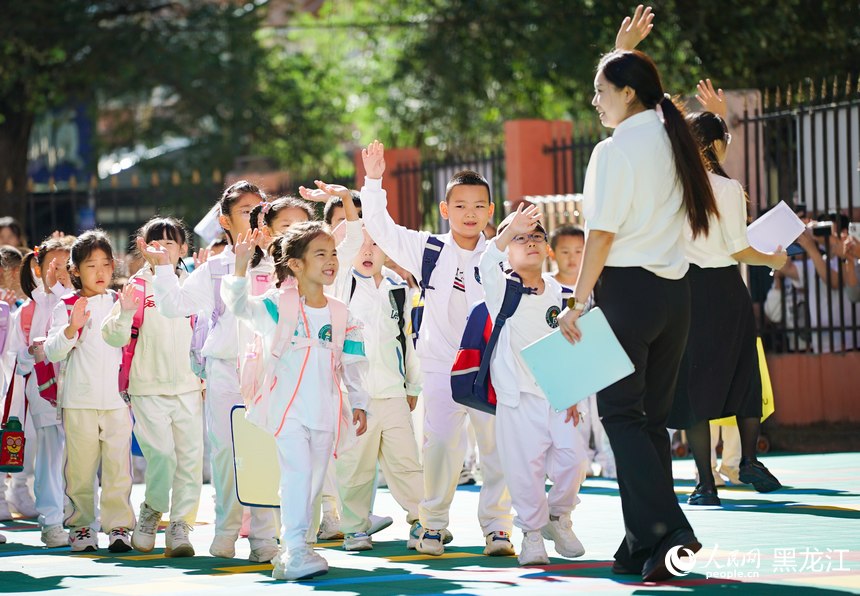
<point x="655" y="569"/>
<point x="621" y="569"/>
<point x="704" y="496"/>
<point x="753" y="472"/>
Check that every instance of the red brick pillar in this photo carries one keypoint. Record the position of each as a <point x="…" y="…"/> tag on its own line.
<point x="529" y="170"/>
<point x="402" y="182"/>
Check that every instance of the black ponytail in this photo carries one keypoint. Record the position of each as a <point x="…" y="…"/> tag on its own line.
<point x="708" y="128"/>
<point x="28" y="280"/>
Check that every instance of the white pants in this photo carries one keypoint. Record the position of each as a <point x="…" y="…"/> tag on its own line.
<point x="444" y="452"/>
<point x="303" y="456"/>
<point x="330" y="497"/>
<point x="592" y="427"/>
<point x="93" y="437"/>
<point x="167" y="428"/>
<point x="731" y="459"/>
<point x="222" y="393"/>
<point x="389" y="440"/>
<point x="535" y="443"/>
<point x="48" y="483"/>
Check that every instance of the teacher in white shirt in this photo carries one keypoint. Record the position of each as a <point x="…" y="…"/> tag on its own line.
<point x="640" y="186"/>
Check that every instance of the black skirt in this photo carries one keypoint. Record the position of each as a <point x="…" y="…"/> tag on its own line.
<point x="719" y="374"/>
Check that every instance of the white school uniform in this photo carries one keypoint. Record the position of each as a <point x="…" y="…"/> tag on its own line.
<point x="197" y="296"/>
<point x="535" y="442"/>
<point x="50" y="436"/>
<point x="390" y="438"/>
<point x="167" y="403"/>
<point x="97" y="420"/>
<point x="307" y="430"/>
<point x="457" y="283"/>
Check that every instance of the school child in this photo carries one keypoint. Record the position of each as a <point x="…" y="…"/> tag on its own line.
<point x="33" y="321"/>
<point x="304" y="406"/>
<point x="200" y="295"/>
<point x="566" y="245"/>
<point x="380" y="299"/>
<point x="165" y="398"/>
<point x="334" y="212"/>
<point x="96" y="418"/>
<point x="11" y="233"/>
<point x="447" y="266"/>
<point x="535" y="441"/>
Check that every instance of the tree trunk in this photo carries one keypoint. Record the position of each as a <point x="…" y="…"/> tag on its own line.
<point x="14" y="140"/>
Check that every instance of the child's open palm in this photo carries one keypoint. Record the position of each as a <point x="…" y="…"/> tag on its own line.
<point x="713" y="101"/>
<point x="374" y="160"/>
<point x="154" y="254"/>
<point x="634" y="30"/>
<point x="200" y="257"/>
<point x="80" y="315"/>
<point x="7" y="296"/>
<point x="128" y="299"/>
<point x="244" y="249"/>
<point x="525" y="219"/>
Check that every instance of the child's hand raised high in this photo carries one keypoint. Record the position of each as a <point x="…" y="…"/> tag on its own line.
<point x="523" y="221"/>
<point x="77" y="318"/>
<point x="154" y="254"/>
<point x="200" y="257"/>
<point x="7" y="296"/>
<point x="244" y="249"/>
<point x="323" y="192"/>
<point x="128" y="299"/>
<point x="374" y="160"/>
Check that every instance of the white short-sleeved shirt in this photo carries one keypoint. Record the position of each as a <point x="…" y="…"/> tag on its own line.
<point x="632" y="190"/>
<point x="728" y="233"/>
<point x="536" y="316"/>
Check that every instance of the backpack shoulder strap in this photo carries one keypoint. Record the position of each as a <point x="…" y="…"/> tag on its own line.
<point x="139" y="284"/>
<point x="339" y="321"/>
<point x="289" y="306"/>
<point x="398" y="301"/>
<point x="353" y="285"/>
<point x="432" y="250"/>
<point x="27" y="313"/>
<point x="514" y="290"/>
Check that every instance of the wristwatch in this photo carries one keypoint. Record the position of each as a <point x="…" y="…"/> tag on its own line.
<point x="574" y="304"/>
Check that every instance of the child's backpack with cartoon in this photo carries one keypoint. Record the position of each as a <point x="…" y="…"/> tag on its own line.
<point x="12" y="441"/>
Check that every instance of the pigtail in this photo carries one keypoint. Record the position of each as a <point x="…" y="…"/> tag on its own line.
<point x="27" y="277"/>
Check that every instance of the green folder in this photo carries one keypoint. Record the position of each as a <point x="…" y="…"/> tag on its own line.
<point x="568" y="373"/>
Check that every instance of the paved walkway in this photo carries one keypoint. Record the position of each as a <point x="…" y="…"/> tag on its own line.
<point x="802" y="540"/>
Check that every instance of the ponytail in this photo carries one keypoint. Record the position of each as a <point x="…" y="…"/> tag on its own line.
<point x="698" y="195"/>
<point x="28" y="280"/>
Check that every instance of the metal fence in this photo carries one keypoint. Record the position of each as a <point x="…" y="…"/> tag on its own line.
<point x="803" y="146"/>
<point x="421" y="186"/>
<point x="570" y="158"/>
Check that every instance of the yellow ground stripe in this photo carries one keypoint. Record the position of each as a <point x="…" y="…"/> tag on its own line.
<point x="245" y="568"/>
<point x="430" y="557"/>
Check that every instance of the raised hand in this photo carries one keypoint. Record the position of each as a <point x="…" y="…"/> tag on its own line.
<point x="711" y="100"/>
<point x="323" y="192"/>
<point x="57" y="234"/>
<point x="154" y="254"/>
<point x="200" y="257"/>
<point x="128" y="299"/>
<point x="374" y="160"/>
<point x="7" y="296"/>
<point x="80" y="315"/>
<point x="244" y="249"/>
<point x="634" y="30"/>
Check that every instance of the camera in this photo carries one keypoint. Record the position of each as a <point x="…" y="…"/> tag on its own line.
<point x="822" y="228"/>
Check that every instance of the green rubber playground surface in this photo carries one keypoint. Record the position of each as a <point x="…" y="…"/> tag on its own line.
<point x="804" y="539"/>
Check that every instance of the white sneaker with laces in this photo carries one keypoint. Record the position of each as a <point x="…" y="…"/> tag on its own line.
<point x="83" y="540"/>
<point x="120" y="540"/>
<point x="55" y="536"/>
<point x="560" y="531"/>
<point x="264" y="551"/>
<point x="378" y="523"/>
<point x="143" y="538"/>
<point x="533" y="551"/>
<point x="499" y="545"/>
<point x="357" y="542"/>
<point x="223" y="547"/>
<point x="301" y="564"/>
<point x="177" y="543"/>
<point x="430" y="543"/>
<point x="329" y="528"/>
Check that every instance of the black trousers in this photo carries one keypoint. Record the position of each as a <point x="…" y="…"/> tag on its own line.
<point x="651" y="317"/>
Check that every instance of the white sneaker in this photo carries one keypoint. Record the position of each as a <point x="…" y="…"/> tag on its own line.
<point x="357" y="542"/>
<point x="447" y="536"/>
<point x="560" y="531"/>
<point x="21" y="501"/>
<point x="499" y="545"/>
<point x="143" y="538"/>
<point x="415" y="532"/>
<point x="177" y="543"/>
<point x="330" y="528"/>
<point x="430" y="542"/>
<point x="55" y="536"/>
<point x="83" y="540"/>
<point x="223" y="547"/>
<point x="378" y="523"/>
<point x="303" y="564"/>
<point x="533" y="551"/>
<point x="264" y="553"/>
<point x="120" y="540"/>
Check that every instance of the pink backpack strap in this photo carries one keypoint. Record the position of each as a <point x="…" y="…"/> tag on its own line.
<point x="27" y="313"/>
<point x="339" y="321"/>
<point x="289" y="310"/>
<point x="139" y="285"/>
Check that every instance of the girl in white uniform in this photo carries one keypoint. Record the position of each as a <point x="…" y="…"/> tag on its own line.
<point x="32" y="323"/>
<point x="96" y="418"/>
<point x="304" y="408"/>
<point x="200" y="295"/>
<point x="535" y="441"/>
<point x="166" y="399"/>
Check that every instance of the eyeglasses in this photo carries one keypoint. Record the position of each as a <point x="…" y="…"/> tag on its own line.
<point x="537" y="238"/>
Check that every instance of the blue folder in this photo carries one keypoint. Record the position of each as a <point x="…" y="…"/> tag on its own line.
<point x="568" y="373"/>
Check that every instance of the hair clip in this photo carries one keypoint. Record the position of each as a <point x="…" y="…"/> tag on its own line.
<point x="36" y="251"/>
<point x="266" y="206"/>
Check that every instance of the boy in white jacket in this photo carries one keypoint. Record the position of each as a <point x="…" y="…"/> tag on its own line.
<point x="393" y="383"/>
<point x="167" y="402"/>
<point x="454" y="285"/>
<point x="535" y="441"/>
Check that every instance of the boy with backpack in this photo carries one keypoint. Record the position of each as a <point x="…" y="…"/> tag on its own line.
<point x="535" y="441"/>
<point x="447" y="267"/>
